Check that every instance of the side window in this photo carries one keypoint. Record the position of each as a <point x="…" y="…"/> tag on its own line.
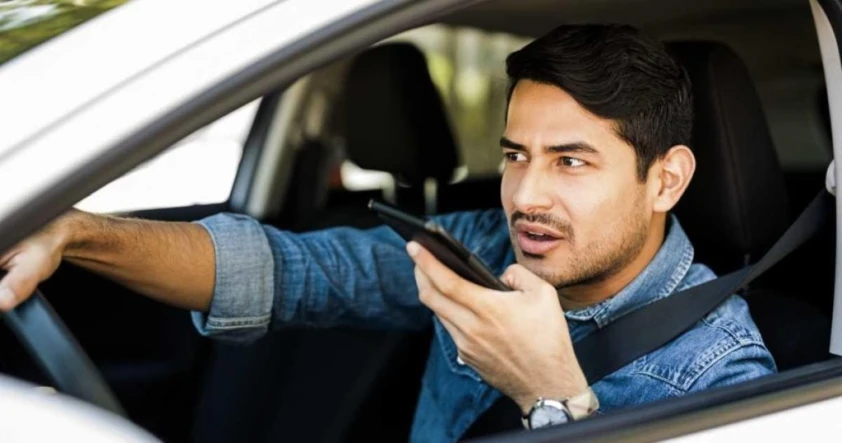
<point x="200" y="169"/>
<point x="25" y="24"/>
<point x="468" y="68"/>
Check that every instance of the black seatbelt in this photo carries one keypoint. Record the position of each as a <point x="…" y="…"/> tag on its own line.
<point x="646" y="329"/>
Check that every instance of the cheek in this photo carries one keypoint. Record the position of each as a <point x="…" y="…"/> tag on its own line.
<point x="597" y="206"/>
<point x="587" y="213"/>
<point x="584" y="198"/>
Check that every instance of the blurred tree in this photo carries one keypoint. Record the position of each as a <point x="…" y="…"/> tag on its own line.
<point x="25" y="24"/>
<point x="468" y="68"/>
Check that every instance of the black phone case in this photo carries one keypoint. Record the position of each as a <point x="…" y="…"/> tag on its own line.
<point x="438" y="241"/>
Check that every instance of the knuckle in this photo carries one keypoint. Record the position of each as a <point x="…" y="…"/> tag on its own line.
<point x="512" y="274"/>
<point x="430" y="299"/>
<point x="424" y="296"/>
<point x="515" y="270"/>
<point x="446" y="286"/>
<point x="452" y="286"/>
<point x="472" y="328"/>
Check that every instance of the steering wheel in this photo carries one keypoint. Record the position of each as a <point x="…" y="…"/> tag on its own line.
<point x="55" y="349"/>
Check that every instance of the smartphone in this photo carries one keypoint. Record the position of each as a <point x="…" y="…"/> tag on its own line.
<point x="439" y="242"/>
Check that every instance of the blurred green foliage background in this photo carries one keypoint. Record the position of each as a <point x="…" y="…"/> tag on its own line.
<point x="27" y="23"/>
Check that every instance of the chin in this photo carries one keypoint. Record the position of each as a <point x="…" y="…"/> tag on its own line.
<point x="541" y="266"/>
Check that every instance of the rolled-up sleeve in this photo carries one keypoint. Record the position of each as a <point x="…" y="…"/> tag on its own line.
<point x="241" y="308"/>
<point x="267" y="278"/>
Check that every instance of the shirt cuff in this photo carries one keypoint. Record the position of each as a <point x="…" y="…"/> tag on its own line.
<point x="241" y="307"/>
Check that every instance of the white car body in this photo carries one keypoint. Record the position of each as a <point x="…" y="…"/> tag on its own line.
<point x="32" y="414"/>
<point x="153" y="57"/>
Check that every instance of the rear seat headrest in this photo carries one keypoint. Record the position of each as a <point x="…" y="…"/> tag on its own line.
<point x="736" y="204"/>
<point x="395" y="120"/>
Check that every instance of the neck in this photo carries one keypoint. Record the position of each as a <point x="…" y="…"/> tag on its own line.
<point x="580" y="296"/>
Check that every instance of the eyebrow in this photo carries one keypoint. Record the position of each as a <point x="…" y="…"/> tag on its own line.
<point x="579" y="147"/>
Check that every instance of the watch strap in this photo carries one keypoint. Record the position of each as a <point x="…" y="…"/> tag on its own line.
<point x="576" y="408"/>
<point x="582" y="405"/>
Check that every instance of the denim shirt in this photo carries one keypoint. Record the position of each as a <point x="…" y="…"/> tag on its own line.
<point x="267" y="278"/>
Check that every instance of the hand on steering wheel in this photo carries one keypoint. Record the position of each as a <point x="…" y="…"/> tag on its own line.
<point x="29" y="263"/>
<point x="39" y="328"/>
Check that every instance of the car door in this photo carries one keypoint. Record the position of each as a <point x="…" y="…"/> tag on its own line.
<point x="761" y="408"/>
<point x="148" y="352"/>
<point x="108" y="151"/>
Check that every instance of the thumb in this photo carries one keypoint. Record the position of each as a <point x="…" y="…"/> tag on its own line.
<point x="16" y="287"/>
<point x="521" y="279"/>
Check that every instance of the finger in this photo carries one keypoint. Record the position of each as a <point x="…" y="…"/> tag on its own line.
<point x="446" y="281"/>
<point x="8" y="255"/>
<point x="422" y="281"/>
<point x="521" y="279"/>
<point x="457" y="335"/>
<point x="443" y="306"/>
<point x="16" y="287"/>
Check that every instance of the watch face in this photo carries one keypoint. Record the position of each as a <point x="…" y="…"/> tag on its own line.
<point x="546" y="415"/>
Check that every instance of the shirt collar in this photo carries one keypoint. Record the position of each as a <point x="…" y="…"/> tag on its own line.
<point x="659" y="279"/>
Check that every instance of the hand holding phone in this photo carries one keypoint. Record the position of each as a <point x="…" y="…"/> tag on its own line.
<point x="439" y="242"/>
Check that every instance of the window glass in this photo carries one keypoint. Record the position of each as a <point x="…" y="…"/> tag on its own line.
<point x="26" y="23"/>
<point x="200" y="169"/>
<point x="468" y="68"/>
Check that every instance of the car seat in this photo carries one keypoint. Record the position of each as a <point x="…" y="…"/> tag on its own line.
<point x="390" y="118"/>
<point x="343" y="384"/>
<point x="736" y="205"/>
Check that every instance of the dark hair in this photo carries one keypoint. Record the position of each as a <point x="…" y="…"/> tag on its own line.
<point x="616" y="73"/>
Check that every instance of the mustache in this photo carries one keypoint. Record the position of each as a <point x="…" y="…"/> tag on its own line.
<point x="549" y="220"/>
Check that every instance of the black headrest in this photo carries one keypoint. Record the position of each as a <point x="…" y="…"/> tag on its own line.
<point x="394" y="117"/>
<point x="735" y="206"/>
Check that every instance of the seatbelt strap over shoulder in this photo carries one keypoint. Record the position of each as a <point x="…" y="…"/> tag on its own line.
<point x="642" y="331"/>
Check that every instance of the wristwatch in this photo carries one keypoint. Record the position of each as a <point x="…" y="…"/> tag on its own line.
<point x="547" y="412"/>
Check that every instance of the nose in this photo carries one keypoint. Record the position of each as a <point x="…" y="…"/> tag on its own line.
<point x="533" y="193"/>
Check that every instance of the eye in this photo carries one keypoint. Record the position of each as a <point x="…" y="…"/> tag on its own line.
<point x="572" y="162"/>
<point x="513" y="157"/>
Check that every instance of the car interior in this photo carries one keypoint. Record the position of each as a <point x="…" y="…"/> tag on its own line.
<point x="761" y="138"/>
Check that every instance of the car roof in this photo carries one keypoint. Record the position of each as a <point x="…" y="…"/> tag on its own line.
<point x="536" y="17"/>
<point x="56" y="106"/>
<point x="62" y="75"/>
<point x="77" y="97"/>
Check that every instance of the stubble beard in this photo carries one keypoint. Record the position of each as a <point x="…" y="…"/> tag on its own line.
<point x="602" y="258"/>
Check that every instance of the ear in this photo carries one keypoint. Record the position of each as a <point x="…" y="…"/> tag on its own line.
<point x="674" y="173"/>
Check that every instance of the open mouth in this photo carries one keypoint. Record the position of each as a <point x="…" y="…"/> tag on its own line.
<point x="536" y="239"/>
<point x="539" y="236"/>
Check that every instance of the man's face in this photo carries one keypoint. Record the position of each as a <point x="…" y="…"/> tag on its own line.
<point x="576" y="209"/>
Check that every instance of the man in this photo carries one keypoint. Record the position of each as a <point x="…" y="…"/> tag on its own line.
<point x="596" y="157"/>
